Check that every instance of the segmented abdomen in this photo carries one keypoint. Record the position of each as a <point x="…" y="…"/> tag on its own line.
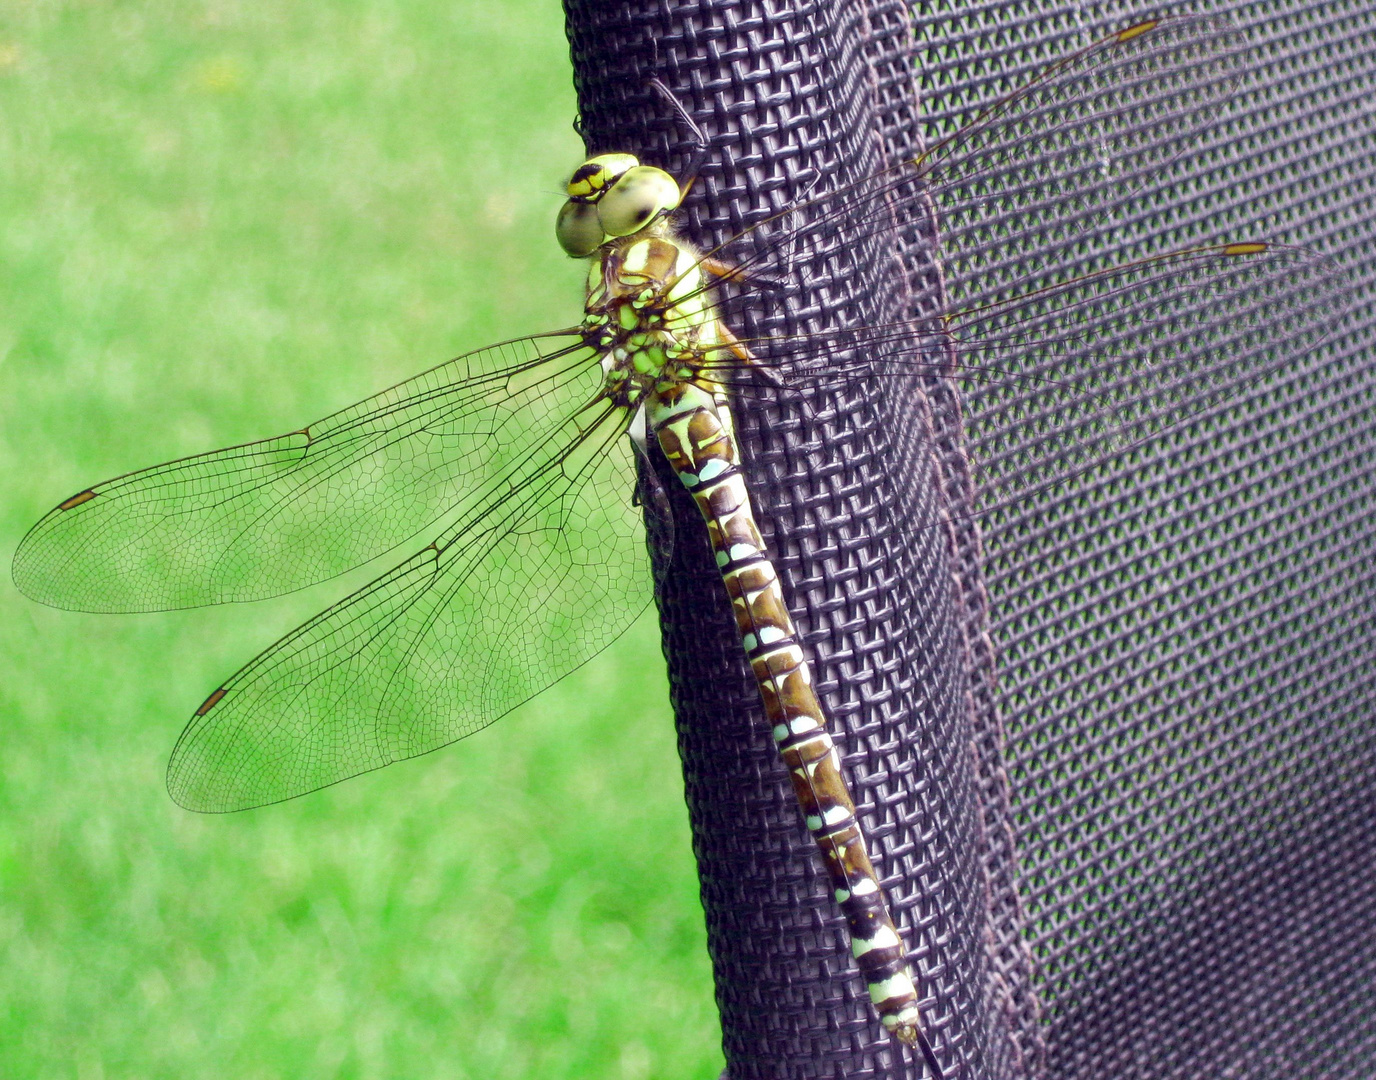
<point x="697" y="439"/>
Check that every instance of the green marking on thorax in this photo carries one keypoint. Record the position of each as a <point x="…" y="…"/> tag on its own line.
<point x="649" y="361"/>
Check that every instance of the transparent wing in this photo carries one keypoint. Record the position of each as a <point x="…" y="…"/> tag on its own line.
<point x="1058" y="155"/>
<point x="1052" y="380"/>
<point x="268" y="517"/>
<point x="545" y="570"/>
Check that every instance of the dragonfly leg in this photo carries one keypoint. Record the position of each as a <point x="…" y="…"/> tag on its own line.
<point x="737" y="348"/>
<point x="726" y="271"/>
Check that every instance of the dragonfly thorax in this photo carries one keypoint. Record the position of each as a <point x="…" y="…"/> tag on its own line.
<point x="649" y="315"/>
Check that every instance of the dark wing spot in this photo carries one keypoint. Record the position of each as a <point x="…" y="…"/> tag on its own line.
<point x="210" y="702"/>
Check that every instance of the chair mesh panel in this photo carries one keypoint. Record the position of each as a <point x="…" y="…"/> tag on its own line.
<point x="1113" y="748"/>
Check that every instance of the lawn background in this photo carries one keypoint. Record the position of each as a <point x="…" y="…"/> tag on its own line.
<point x="220" y="221"/>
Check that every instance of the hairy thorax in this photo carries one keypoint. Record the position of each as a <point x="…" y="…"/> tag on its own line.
<point x="649" y="314"/>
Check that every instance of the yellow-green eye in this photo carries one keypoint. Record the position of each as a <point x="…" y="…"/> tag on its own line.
<point x="599" y="173"/>
<point x="578" y="230"/>
<point x="636" y="199"/>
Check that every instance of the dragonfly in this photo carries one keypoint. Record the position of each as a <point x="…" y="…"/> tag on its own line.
<point x="523" y="466"/>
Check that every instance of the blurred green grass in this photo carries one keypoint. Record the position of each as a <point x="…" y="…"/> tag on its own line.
<point x="219" y="221"/>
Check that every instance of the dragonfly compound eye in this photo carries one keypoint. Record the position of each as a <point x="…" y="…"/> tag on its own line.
<point x="578" y="229"/>
<point x="636" y="199"/>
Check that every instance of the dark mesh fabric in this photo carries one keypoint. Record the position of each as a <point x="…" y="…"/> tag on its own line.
<point x="1186" y="679"/>
<point x="784" y="97"/>
<point x="1113" y="746"/>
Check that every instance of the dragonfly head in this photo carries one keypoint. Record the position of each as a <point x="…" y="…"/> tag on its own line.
<point x="613" y="195"/>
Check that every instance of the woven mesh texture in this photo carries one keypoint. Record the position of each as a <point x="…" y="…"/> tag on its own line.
<point x="1187" y="679"/>
<point x="1120" y="734"/>
<point x="786" y="98"/>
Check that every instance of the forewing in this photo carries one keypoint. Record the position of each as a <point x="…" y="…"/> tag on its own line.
<point x="1058" y="155"/>
<point x="546" y="571"/>
<point x="268" y="517"/>
<point x="1062" y="152"/>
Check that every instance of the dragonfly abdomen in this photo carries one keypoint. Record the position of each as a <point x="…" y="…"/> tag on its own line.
<point x="686" y="419"/>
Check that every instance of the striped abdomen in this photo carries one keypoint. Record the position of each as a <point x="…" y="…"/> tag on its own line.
<point x="693" y="430"/>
